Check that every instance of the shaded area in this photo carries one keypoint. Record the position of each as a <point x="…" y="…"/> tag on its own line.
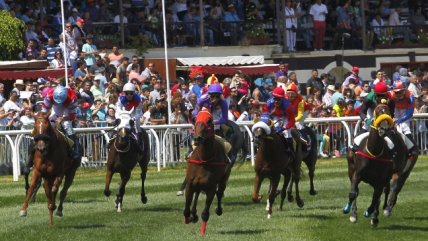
<point x="89" y="226"/>
<point x="156" y="209"/>
<point x="407" y="228"/>
<point x="416" y="218"/>
<point x="245" y="232"/>
<point x="314" y="216"/>
<point x="242" y="203"/>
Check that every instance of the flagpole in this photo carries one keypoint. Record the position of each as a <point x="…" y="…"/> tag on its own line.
<point x="64" y="41"/>
<point x="168" y="96"/>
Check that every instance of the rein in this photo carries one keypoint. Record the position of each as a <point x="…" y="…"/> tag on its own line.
<point x="205" y="163"/>
<point x="369" y="156"/>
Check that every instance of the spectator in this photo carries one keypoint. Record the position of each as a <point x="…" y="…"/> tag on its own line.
<point x="290" y="26"/>
<point x="111" y="115"/>
<point x="74" y="16"/>
<point x="87" y="100"/>
<point x="319" y="12"/>
<point x="199" y="86"/>
<point x="72" y="49"/>
<point x="51" y="48"/>
<point x="281" y="72"/>
<point x="13" y="122"/>
<point x="398" y="27"/>
<point x="98" y="67"/>
<point x="27" y="119"/>
<point x="312" y="82"/>
<point x="353" y="78"/>
<point x="232" y="23"/>
<point x="99" y="109"/>
<point x="2" y="97"/>
<point x="89" y="50"/>
<point x="115" y="57"/>
<point x="150" y="72"/>
<point x="326" y="99"/>
<point x="13" y="103"/>
<point x="122" y="70"/>
<point x="81" y="73"/>
<point x="305" y="25"/>
<point x="43" y="55"/>
<point x="58" y="61"/>
<point x="96" y="89"/>
<point x="158" y="114"/>
<point x="31" y="51"/>
<point x="134" y="74"/>
<point x="78" y="32"/>
<point x="292" y="78"/>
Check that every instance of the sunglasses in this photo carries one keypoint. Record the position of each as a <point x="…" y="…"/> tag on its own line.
<point x="129" y="93"/>
<point x="214" y="95"/>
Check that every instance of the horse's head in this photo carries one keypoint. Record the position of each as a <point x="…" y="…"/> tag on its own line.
<point x="262" y="128"/>
<point x="204" y="127"/>
<point x="381" y="109"/>
<point x="42" y="133"/>
<point x="124" y="125"/>
<point x="383" y="123"/>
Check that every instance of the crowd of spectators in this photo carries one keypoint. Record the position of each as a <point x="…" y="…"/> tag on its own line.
<point x="224" y="21"/>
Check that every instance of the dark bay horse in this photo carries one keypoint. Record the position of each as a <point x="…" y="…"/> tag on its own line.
<point x="207" y="171"/>
<point x="123" y="155"/>
<point x="373" y="163"/>
<point x="272" y="161"/>
<point x="52" y="163"/>
<point x="309" y="157"/>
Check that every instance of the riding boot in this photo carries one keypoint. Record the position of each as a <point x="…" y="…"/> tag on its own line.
<point x="414" y="151"/>
<point x="75" y="149"/>
<point x="354" y="147"/>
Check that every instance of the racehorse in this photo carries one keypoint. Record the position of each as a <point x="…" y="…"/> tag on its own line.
<point x="374" y="164"/>
<point x="123" y="155"/>
<point x="51" y="161"/>
<point x="309" y="156"/>
<point x="207" y="170"/>
<point x="272" y="160"/>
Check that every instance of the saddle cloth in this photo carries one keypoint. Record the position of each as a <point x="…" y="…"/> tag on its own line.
<point x="358" y="139"/>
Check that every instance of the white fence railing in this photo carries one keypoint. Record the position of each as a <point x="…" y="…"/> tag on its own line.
<point x="169" y="144"/>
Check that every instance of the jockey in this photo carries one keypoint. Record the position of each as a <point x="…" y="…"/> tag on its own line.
<point x="379" y="95"/>
<point x="218" y="107"/>
<point x="299" y="107"/>
<point x="129" y="99"/>
<point x="282" y="113"/>
<point x="63" y="101"/>
<point x="404" y="107"/>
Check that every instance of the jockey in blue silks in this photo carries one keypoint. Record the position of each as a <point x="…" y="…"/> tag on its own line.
<point x="218" y="107"/>
<point x="129" y="99"/>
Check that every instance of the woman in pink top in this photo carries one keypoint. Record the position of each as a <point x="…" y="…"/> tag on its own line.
<point x="115" y="57"/>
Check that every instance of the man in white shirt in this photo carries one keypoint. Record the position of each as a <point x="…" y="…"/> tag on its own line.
<point x="319" y="12"/>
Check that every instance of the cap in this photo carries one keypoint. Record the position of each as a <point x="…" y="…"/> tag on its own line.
<point x="355" y="69"/>
<point x="230" y="6"/>
<point x="115" y="81"/>
<point x="75" y="10"/>
<point x="80" y="20"/>
<point x="331" y="87"/>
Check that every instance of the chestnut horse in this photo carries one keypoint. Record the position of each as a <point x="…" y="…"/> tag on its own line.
<point x="123" y="155"/>
<point x="207" y="171"/>
<point x="272" y="160"/>
<point x="52" y="163"/>
<point x="374" y="163"/>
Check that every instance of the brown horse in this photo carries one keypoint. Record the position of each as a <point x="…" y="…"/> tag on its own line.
<point x="272" y="160"/>
<point x="207" y="170"/>
<point x="374" y="164"/>
<point x="123" y="155"/>
<point x="51" y="161"/>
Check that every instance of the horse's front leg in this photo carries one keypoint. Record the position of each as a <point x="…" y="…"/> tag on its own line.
<point x="189" y="197"/>
<point x="220" y="192"/>
<point x="311" y="167"/>
<point x="374" y="206"/>
<point x="386" y="191"/>
<point x="352" y="198"/>
<point x="109" y="175"/>
<point x="287" y="179"/>
<point x="257" y="183"/>
<point x="124" y="176"/>
<point x="299" y="201"/>
<point x="48" y="185"/>
<point x="34" y="181"/>
<point x="274" y="182"/>
<point x="67" y="183"/>
<point x="143" y="179"/>
<point x="205" y="215"/>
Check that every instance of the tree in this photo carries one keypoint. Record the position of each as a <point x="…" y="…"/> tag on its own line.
<point x="11" y="36"/>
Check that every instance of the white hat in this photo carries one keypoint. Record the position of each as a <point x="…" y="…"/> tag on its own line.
<point x="19" y="82"/>
<point x="331" y="87"/>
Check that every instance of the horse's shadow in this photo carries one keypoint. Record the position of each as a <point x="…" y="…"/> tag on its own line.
<point x="245" y="232"/>
<point x="88" y="226"/>
<point x="86" y="201"/>
<point x="416" y="218"/>
<point x="312" y="216"/>
<point x="240" y="203"/>
<point x="156" y="209"/>
<point x="405" y="228"/>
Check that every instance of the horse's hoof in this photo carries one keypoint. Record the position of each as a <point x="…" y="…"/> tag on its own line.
<point x="107" y="192"/>
<point x="347" y="208"/>
<point x="367" y="214"/>
<point x="375" y="222"/>
<point x="219" y="211"/>
<point x="353" y="219"/>
<point x="144" y="199"/>
<point x="313" y="192"/>
<point x="23" y="213"/>
<point x="195" y="218"/>
<point x="119" y="207"/>
<point x="269" y="216"/>
<point x="300" y="203"/>
<point x="257" y="199"/>
<point x="203" y="228"/>
<point x="186" y="220"/>
<point x="290" y="198"/>
<point x="179" y="193"/>
<point x="386" y="213"/>
<point x="59" y="213"/>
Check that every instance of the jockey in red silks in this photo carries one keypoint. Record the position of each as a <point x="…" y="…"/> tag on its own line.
<point x="63" y="101"/>
<point x="129" y="99"/>
<point x="404" y="103"/>
<point x="282" y="113"/>
<point x="300" y="107"/>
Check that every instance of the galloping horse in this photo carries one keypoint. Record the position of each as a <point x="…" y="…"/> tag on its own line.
<point x="51" y="161"/>
<point x="207" y="171"/>
<point x="272" y="160"/>
<point x="374" y="164"/>
<point x="309" y="157"/>
<point x="123" y="156"/>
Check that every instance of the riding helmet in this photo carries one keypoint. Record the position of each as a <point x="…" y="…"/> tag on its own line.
<point x="129" y="87"/>
<point x="60" y="94"/>
<point x="278" y="92"/>
<point x="292" y="87"/>
<point x="398" y="86"/>
<point x="215" y="89"/>
<point x="380" y="88"/>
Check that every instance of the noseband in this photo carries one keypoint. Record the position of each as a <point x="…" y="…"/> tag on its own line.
<point x="127" y="147"/>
